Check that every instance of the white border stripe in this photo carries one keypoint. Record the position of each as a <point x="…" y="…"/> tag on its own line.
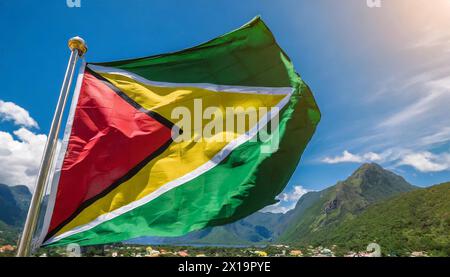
<point x="212" y="87"/>
<point x="61" y="155"/>
<point x="180" y="181"/>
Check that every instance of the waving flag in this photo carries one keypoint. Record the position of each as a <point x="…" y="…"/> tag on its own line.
<point x="130" y="166"/>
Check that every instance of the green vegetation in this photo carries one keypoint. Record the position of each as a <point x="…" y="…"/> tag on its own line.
<point x="14" y="203"/>
<point x="344" y="201"/>
<point x="414" y="221"/>
<point x="8" y="234"/>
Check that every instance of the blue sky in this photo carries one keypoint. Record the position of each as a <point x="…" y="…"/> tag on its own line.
<point x="380" y="75"/>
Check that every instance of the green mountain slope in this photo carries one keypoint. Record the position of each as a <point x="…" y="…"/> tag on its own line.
<point x="14" y="203"/>
<point x="414" y="221"/>
<point x="369" y="184"/>
<point x="8" y="234"/>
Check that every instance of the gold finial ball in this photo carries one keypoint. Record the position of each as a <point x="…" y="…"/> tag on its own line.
<point x="79" y="44"/>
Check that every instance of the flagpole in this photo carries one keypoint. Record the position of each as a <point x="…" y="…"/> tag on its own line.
<point x="78" y="48"/>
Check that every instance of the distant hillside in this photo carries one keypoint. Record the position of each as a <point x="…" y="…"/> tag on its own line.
<point x="369" y="184"/>
<point x="8" y="234"/>
<point x="14" y="203"/>
<point x="414" y="221"/>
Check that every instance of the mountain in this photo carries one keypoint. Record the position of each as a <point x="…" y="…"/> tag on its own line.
<point x="14" y="203"/>
<point x="320" y="211"/>
<point x="8" y="234"/>
<point x="414" y="221"/>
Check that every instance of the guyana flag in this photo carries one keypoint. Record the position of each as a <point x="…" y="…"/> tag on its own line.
<point x="150" y="147"/>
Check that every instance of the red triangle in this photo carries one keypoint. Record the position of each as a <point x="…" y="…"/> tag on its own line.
<point x="109" y="139"/>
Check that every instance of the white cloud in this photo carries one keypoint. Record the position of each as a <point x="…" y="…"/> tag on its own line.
<point x="20" y="156"/>
<point x="408" y="110"/>
<point x="9" y="111"/>
<point x="348" y="157"/>
<point x="441" y="136"/>
<point x="423" y="161"/>
<point x="20" y="151"/>
<point x="427" y="162"/>
<point x="430" y="103"/>
<point x="294" y="195"/>
<point x="408" y="135"/>
<point x="413" y="111"/>
<point x="288" y="200"/>
<point x="430" y="39"/>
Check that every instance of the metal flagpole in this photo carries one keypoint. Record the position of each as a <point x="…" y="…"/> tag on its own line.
<point x="78" y="48"/>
